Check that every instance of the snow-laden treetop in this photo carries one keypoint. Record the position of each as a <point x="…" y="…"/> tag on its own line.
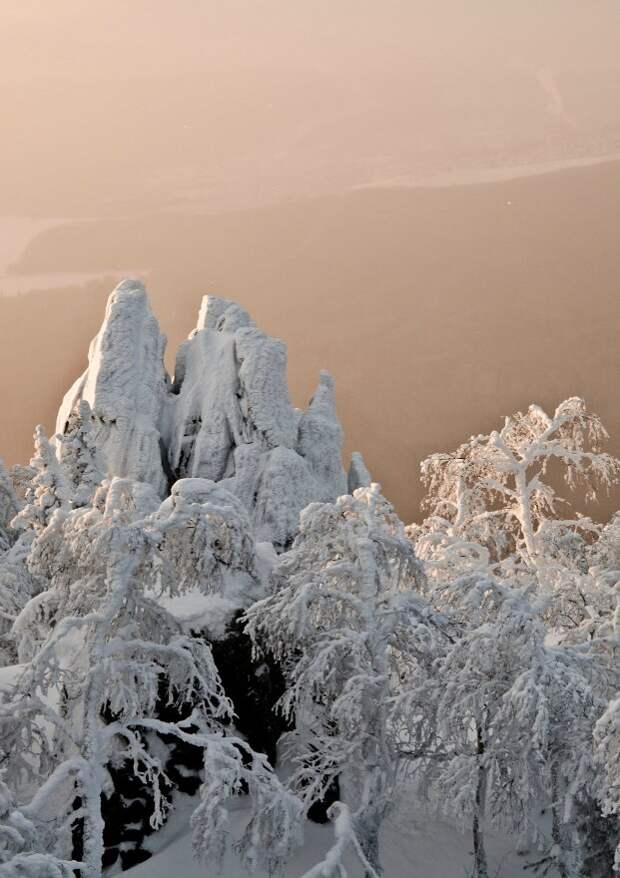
<point x="225" y="415"/>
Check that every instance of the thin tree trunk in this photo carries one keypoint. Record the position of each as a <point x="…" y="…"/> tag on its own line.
<point x="525" y="515"/>
<point x="93" y="826"/>
<point x="92" y="785"/>
<point x="557" y="835"/>
<point x="481" y="869"/>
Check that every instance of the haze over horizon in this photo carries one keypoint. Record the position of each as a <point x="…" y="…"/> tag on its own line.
<point x="130" y="107"/>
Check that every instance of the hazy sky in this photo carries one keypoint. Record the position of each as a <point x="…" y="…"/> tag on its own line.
<point x="127" y="105"/>
<point x="143" y="37"/>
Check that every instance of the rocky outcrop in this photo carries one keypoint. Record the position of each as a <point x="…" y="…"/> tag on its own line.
<point x="358" y="475"/>
<point x="126" y="386"/>
<point x="226" y="417"/>
<point x="231" y="421"/>
<point x="230" y="386"/>
<point x="320" y="441"/>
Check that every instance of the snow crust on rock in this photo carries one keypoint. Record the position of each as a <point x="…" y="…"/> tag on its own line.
<point x="358" y="475"/>
<point x="125" y="385"/>
<point x="231" y="421"/>
<point x="230" y="385"/>
<point x="320" y="440"/>
<point x="226" y="418"/>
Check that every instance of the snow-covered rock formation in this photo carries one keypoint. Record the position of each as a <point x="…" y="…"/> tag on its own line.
<point x="226" y="417"/>
<point x="125" y="385"/>
<point x="358" y="475"/>
<point x="230" y="420"/>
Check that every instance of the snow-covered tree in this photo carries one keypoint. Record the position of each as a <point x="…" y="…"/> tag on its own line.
<point x="49" y="489"/>
<point x="506" y="725"/>
<point x="547" y="720"/>
<point x="69" y="555"/>
<point x="21" y="476"/>
<point x="16" y="583"/>
<point x="206" y="543"/>
<point x="20" y="855"/>
<point x="607" y="749"/>
<point x="9" y="507"/>
<point x="494" y="509"/>
<point x="348" y="626"/>
<point x="607" y="731"/>
<point x="346" y="841"/>
<point x="17" y="587"/>
<point x="604" y="557"/>
<point x="494" y="488"/>
<point x="110" y="655"/>
<point x="77" y="452"/>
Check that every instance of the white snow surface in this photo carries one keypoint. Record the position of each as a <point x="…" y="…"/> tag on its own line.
<point x="413" y="845"/>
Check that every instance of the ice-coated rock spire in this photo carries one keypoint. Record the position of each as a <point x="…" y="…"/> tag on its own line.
<point x="320" y="440"/>
<point x="358" y="475"/>
<point x="232" y="421"/>
<point x="125" y="385"/>
<point x="226" y="418"/>
<point x="230" y="386"/>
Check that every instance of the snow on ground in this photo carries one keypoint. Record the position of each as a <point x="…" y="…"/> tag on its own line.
<point x="414" y="845"/>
